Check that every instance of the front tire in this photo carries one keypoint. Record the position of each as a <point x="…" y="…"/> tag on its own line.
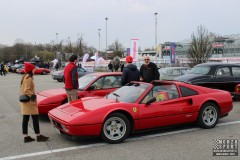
<point x="208" y="115"/>
<point x="44" y="72"/>
<point x="116" y="128"/>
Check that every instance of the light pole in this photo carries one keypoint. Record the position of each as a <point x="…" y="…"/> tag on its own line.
<point x="57" y="42"/>
<point x="106" y="36"/>
<point x="99" y="36"/>
<point x="155" y="30"/>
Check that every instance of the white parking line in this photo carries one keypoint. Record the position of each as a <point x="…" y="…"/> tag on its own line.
<point x="101" y="144"/>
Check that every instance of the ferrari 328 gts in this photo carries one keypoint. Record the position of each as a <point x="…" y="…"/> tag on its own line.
<point x="140" y="106"/>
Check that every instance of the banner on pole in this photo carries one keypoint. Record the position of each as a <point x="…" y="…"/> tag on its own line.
<point x="134" y="49"/>
<point x="172" y="52"/>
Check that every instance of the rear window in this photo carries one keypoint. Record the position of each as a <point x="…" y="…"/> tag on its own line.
<point x="187" y="91"/>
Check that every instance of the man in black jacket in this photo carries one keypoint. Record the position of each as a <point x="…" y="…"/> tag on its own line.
<point x="148" y="71"/>
<point x="130" y="72"/>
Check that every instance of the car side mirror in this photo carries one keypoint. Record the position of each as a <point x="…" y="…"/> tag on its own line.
<point x="151" y="100"/>
<point x="91" y="88"/>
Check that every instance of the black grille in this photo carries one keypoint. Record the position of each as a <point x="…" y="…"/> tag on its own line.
<point x="57" y="124"/>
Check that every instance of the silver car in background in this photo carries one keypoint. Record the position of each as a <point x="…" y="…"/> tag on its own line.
<point x="58" y="75"/>
<point x="169" y="73"/>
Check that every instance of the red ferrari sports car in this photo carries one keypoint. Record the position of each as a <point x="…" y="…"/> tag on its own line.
<point x="140" y="106"/>
<point x="93" y="84"/>
<point x="37" y="70"/>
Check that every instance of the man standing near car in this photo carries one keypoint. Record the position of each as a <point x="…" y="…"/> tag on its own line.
<point x="148" y="71"/>
<point x="71" y="79"/>
<point x="130" y="72"/>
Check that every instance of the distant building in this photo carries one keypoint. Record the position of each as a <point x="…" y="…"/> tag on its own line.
<point x="223" y="47"/>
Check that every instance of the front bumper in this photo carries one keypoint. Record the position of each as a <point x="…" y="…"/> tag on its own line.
<point x="92" y="130"/>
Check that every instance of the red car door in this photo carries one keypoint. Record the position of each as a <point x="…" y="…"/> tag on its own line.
<point x="166" y="111"/>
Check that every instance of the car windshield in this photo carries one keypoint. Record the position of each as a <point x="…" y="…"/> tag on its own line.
<point x="129" y="93"/>
<point x="85" y="80"/>
<point x="199" y="70"/>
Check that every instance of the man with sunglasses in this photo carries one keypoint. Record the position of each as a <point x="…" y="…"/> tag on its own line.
<point x="148" y="71"/>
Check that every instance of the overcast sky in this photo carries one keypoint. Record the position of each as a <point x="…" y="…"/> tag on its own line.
<point x="39" y="20"/>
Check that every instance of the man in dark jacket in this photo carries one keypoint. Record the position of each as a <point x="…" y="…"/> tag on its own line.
<point x="71" y="79"/>
<point x="148" y="71"/>
<point x="130" y="72"/>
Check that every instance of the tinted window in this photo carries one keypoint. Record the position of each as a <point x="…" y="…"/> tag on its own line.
<point x="236" y="71"/>
<point x="187" y="92"/>
<point x="223" y="71"/>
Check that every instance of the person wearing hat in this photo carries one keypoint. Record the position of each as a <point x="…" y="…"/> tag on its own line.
<point x="30" y="108"/>
<point x="130" y="72"/>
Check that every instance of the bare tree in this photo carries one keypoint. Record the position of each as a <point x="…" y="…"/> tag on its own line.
<point x="117" y="48"/>
<point x="200" y="47"/>
<point x="80" y="45"/>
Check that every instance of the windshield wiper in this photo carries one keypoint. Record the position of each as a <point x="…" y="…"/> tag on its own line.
<point x="115" y="94"/>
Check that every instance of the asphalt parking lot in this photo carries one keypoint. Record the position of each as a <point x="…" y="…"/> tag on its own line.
<point x="188" y="142"/>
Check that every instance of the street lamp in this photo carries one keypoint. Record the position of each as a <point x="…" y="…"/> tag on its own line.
<point x="106" y="36"/>
<point x="57" y="40"/>
<point x="155" y="30"/>
<point x="99" y="36"/>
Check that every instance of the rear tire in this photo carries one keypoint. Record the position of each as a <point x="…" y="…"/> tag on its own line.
<point x="208" y="116"/>
<point x="116" y="128"/>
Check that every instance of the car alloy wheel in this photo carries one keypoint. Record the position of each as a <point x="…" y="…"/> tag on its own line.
<point x="44" y="72"/>
<point x="116" y="128"/>
<point x="208" y="116"/>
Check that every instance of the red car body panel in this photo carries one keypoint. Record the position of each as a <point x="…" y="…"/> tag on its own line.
<point x="53" y="98"/>
<point x="85" y="117"/>
<point x="36" y="71"/>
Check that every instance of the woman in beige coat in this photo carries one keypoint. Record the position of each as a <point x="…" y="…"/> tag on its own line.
<point x="30" y="108"/>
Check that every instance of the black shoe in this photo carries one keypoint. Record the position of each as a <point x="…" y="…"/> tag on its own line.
<point x="42" y="138"/>
<point x="28" y="139"/>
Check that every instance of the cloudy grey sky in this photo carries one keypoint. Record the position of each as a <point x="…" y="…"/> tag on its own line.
<point x="39" y="20"/>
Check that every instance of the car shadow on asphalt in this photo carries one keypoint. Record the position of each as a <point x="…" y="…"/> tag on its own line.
<point x="44" y="118"/>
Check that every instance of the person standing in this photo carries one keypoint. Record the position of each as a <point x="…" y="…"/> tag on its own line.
<point x="71" y="79"/>
<point x="3" y="70"/>
<point x="148" y="71"/>
<point x="30" y="108"/>
<point x="130" y="72"/>
<point x="110" y="66"/>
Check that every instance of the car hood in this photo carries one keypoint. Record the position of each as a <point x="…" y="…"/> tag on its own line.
<point x="89" y="110"/>
<point x="85" y="105"/>
<point x="191" y="77"/>
<point x="52" y="92"/>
